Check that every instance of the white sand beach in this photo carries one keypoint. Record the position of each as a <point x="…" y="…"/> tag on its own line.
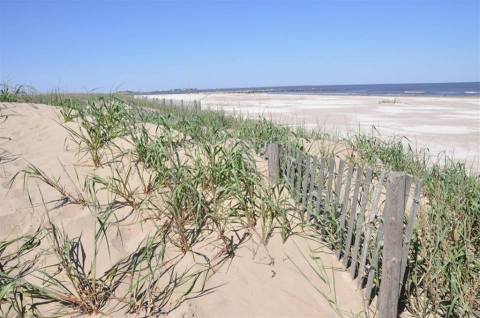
<point x="448" y="125"/>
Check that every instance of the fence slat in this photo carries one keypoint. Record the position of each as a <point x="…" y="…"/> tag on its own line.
<point x="313" y="179"/>
<point x="313" y="182"/>
<point x="284" y="160"/>
<point x="273" y="156"/>
<point x="370" y="227"/>
<point x="306" y="179"/>
<point x="353" y="211"/>
<point x="369" y="285"/>
<point x="292" y="170"/>
<point x="392" y="248"/>
<point x="338" y="183"/>
<point x="409" y="229"/>
<point x="331" y="169"/>
<point x="346" y="195"/>
<point x="321" y="179"/>
<point x="298" y="175"/>
<point x="293" y="159"/>
<point x="289" y="167"/>
<point x="374" y="270"/>
<point x="281" y="156"/>
<point x="360" y="222"/>
<point x="329" y="192"/>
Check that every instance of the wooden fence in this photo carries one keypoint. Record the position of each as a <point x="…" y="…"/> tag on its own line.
<point x="367" y="217"/>
<point x="191" y="104"/>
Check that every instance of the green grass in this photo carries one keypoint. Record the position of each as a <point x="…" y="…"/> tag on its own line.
<point x="198" y="186"/>
<point x="198" y="178"/>
<point x="5" y="156"/>
<point x="145" y="282"/>
<point x="16" y="93"/>
<point x="100" y="122"/>
<point x="33" y="172"/>
<point x="444" y="275"/>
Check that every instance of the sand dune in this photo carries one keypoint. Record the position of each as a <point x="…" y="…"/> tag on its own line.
<point x="260" y="281"/>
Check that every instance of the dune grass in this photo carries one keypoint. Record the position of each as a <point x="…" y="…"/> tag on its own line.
<point x="444" y="276"/>
<point x="15" y="93"/>
<point x="202" y="179"/>
<point x="5" y="157"/>
<point x="197" y="186"/>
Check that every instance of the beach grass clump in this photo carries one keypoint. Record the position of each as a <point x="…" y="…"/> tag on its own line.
<point x="154" y="285"/>
<point x="5" y="156"/>
<point x="187" y="211"/>
<point x="102" y="121"/>
<point x="261" y="132"/>
<point x="15" y="93"/>
<point x="31" y="172"/>
<point x="226" y="166"/>
<point x="273" y="207"/>
<point x="208" y="187"/>
<point x="207" y="125"/>
<point x="70" y="107"/>
<point x="119" y="186"/>
<point x="226" y="171"/>
<point x="80" y="287"/>
<point x="3" y="116"/>
<point x="145" y="281"/>
<point x="444" y="276"/>
<point x="49" y="273"/>
<point x="210" y="125"/>
<point x="17" y="260"/>
<point x="155" y="150"/>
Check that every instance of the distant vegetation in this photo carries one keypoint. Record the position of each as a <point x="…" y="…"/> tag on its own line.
<point x="203" y="161"/>
<point x="14" y="93"/>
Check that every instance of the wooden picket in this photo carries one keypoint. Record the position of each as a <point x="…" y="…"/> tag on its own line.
<point x="365" y="204"/>
<point x="179" y="103"/>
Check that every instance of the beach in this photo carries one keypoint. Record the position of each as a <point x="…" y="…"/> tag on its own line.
<point x="262" y="280"/>
<point x="168" y="198"/>
<point x="449" y="125"/>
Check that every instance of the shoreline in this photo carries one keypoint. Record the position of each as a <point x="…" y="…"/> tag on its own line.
<point x="438" y="89"/>
<point x="472" y="96"/>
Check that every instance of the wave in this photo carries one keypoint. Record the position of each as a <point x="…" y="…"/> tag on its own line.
<point x="414" y="92"/>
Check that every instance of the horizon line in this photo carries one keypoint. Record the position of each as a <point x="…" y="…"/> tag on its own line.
<point x="302" y="85"/>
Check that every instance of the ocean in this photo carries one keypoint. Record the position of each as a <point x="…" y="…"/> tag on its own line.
<point x="423" y="89"/>
<point x="409" y="89"/>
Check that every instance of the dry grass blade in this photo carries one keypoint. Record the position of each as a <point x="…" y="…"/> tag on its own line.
<point x="33" y="172"/>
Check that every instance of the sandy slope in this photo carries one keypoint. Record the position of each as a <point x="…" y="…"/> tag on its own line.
<point x="450" y="124"/>
<point x="259" y="282"/>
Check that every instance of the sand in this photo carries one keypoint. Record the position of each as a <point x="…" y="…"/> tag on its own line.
<point x="260" y="281"/>
<point x="448" y="125"/>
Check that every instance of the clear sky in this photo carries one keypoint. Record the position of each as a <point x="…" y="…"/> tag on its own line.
<point x="147" y="45"/>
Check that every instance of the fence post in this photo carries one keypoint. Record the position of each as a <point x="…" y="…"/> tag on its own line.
<point x="392" y="245"/>
<point x="273" y="163"/>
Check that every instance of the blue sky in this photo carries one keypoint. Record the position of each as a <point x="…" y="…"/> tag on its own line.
<point x="146" y="45"/>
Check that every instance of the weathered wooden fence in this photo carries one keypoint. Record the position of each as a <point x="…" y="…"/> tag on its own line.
<point x="191" y="104"/>
<point x="367" y="217"/>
